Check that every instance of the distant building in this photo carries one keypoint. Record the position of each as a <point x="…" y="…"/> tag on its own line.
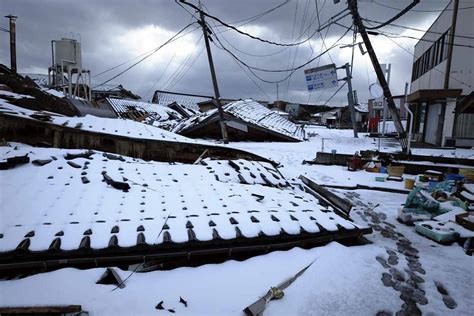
<point x="112" y="91"/>
<point x="442" y="81"/>
<point x="375" y="108"/>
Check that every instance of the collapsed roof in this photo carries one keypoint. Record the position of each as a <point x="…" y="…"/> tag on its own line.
<point x="245" y="120"/>
<point x="76" y="208"/>
<point x="151" y="113"/>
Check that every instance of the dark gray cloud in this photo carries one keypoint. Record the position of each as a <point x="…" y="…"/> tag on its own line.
<point x="112" y="32"/>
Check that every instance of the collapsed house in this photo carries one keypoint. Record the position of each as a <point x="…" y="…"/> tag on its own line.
<point x="107" y="208"/>
<point x="245" y="120"/>
<point x="94" y="208"/>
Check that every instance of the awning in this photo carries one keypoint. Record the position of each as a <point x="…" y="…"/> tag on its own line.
<point x="433" y="95"/>
<point x="467" y="105"/>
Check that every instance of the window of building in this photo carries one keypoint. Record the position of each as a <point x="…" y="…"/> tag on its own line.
<point x="432" y="57"/>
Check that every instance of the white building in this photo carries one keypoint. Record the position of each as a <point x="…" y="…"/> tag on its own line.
<point x="441" y="95"/>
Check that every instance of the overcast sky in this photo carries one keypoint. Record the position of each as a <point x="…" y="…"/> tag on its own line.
<point x="113" y="32"/>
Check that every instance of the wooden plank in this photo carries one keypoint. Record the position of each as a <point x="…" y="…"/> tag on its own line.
<point x="52" y="309"/>
<point x="343" y="205"/>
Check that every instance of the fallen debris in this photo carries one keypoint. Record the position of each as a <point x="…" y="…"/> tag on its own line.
<point x="74" y="165"/>
<point x="14" y="161"/>
<point x="86" y="154"/>
<point x="116" y="184"/>
<point x="182" y="301"/>
<point x="41" y="162"/>
<point x="257" y="308"/>
<point x="111" y="276"/>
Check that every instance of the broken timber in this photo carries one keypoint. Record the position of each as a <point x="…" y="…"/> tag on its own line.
<point x="41" y="310"/>
<point x="341" y="206"/>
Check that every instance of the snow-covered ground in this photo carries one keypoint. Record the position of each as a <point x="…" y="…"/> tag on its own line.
<point x="396" y="270"/>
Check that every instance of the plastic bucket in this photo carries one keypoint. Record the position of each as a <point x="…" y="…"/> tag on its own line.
<point x="409" y="184"/>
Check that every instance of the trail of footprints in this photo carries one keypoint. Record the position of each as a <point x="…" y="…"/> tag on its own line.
<point x="408" y="282"/>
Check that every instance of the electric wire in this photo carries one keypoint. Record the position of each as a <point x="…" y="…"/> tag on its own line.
<point x="412" y="54"/>
<point x="396" y="35"/>
<point x="248" y="34"/>
<point x="159" y="78"/>
<point x="420" y="10"/>
<point x="419" y="30"/>
<point x="291" y="71"/>
<point x="396" y="17"/>
<point x="170" y="40"/>
<point x="335" y="92"/>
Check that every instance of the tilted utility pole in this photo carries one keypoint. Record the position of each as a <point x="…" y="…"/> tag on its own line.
<point x="378" y="70"/>
<point x="350" y="98"/>
<point x="214" y="80"/>
<point x="12" y="41"/>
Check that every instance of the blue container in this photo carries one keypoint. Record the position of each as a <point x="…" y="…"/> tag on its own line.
<point x="383" y="169"/>
<point x="454" y="176"/>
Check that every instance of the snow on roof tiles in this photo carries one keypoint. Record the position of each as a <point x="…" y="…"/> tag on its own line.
<point x="49" y="205"/>
<point x="254" y="113"/>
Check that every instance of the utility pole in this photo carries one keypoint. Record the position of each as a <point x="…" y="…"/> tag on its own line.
<point x="451" y="43"/>
<point x="380" y="75"/>
<point x="214" y="79"/>
<point x="384" y="103"/>
<point x="12" y="19"/>
<point x="350" y="98"/>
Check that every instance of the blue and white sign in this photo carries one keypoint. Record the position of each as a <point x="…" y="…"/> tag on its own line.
<point x="321" y="77"/>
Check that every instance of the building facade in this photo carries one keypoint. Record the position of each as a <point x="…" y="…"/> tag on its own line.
<point x="442" y="80"/>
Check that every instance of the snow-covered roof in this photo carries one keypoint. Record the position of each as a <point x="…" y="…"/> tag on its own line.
<point x="125" y="108"/>
<point x="251" y="112"/>
<point x="122" y="127"/>
<point x="59" y="202"/>
<point x="189" y="101"/>
<point x="364" y="108"/>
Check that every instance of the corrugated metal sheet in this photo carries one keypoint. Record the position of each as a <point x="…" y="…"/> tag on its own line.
<point x="464" y="126"/>
<point x="137" y="110"/>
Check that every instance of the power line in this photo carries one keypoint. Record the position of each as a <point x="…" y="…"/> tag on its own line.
<point x="419" y="30"/>
<point x="250" y="35"/>
<point x="412" y="54"/>
<point x="251" y="68"/>
<point x="419" y="10"/>
<point x="258" y="16"/>
<point x="138" y="56"/>
<point x="173" y="38"/>
<point x="335" y="92"/>
<point x="396" y="35"/>
<point x="159" y="78"/>
<point x="398" y="15"/>
<point x="420" y="39"/>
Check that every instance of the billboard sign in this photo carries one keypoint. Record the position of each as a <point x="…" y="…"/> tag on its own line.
<point x="321" y="77"/>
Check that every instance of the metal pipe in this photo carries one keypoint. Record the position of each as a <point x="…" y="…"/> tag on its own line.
<point x="410" y="127"/>
<point x="12" y="42"/>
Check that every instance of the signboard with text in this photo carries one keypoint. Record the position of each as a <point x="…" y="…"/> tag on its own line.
<point x="321" y="77"/>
